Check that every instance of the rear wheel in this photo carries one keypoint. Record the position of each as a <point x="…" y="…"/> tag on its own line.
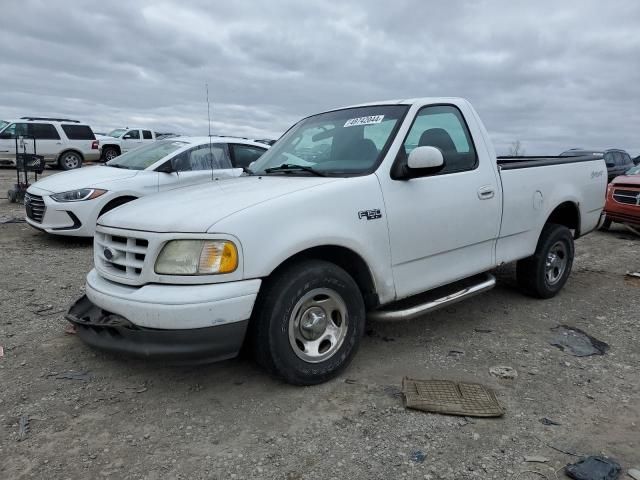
<point x="70" y="161"/>
<point x="544" y="273"/>
<point x="308" y="322"/>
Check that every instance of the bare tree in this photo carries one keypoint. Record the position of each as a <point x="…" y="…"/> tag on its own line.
<point x="516" y="150"/>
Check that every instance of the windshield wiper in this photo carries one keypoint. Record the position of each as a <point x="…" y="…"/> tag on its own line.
<point x="291" y="167"/>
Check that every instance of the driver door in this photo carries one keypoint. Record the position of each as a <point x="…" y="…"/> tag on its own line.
<point x="442" y="225"/>
<point x="8" y="142"/>
<point x="131" y="140"/>
<point x="200" y="164"/>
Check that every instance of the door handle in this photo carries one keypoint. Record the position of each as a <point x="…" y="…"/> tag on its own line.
<point x="486" y="192"/>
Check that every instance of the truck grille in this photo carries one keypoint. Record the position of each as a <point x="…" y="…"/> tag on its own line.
<point x="34" y="206"/>
<point x="630" y="197"/>
<point x="120" y="255"/>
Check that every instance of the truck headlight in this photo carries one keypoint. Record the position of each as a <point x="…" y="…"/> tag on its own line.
<point x="197" y="257"/>
<point x="78" y="195"/>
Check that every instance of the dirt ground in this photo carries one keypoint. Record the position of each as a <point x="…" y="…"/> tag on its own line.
<point x="92" y="415"/>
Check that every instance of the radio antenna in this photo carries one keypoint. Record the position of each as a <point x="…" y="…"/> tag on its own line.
<point x="206" y="85"/>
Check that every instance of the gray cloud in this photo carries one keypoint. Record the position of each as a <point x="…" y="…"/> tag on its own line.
<point x="553" y="75"/>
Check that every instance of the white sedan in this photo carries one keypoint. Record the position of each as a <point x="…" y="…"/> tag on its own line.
<point x="69" y="203"/>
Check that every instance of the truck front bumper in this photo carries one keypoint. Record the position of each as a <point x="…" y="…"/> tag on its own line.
<point x="174" y="323"/>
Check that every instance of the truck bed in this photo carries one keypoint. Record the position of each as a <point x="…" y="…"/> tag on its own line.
<point x="511" y="163"/>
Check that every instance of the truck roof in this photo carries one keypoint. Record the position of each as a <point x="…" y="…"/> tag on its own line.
<point x="411" y="101"/>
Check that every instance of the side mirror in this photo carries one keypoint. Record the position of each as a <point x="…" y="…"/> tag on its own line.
<point x="166" y="167"/>
<point x="425" y="157"/>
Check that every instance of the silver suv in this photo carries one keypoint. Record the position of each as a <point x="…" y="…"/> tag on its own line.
<point x="63" y="142"/>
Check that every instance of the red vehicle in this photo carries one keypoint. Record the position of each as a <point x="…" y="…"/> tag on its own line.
<point x="623" y="199"/>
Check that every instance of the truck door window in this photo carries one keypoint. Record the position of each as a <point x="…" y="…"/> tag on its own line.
<point x="146" y="134"/>
<point x="443" y="127"/>
<point x="132" y="135"/>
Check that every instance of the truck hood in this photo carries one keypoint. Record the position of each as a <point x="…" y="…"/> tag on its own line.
<point x="195" y="209"/>
<point x="84" y="177"/>
<point x="627" y="180"/>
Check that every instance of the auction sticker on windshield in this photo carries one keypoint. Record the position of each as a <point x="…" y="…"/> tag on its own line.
<point x="370" y="120"/>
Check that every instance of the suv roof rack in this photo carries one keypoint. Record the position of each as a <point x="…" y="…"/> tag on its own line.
<point x="50" y="119"/>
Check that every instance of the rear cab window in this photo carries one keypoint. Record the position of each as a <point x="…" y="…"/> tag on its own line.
<point x="146" y="134"/>
<point x="78" y="132"/>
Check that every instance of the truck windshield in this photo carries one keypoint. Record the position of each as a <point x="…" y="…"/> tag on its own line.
<point x="145" y="156"/>
<point x="633" y="170"/>
<point x="117" y="132"/>
<point x="3" y="124"/>
<point x="343" y="142"/>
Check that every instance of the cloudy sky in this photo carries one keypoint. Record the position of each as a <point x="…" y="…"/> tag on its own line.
<point x="553" y="75"/>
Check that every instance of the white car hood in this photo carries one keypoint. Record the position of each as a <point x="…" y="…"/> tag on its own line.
<point x="195" y="209"/>
<point x="82" y="178"/>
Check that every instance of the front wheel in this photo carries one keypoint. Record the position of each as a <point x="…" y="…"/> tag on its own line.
<point x="544" y="273"/>
<point x="308" y="322"/>
<point x="70" y="161"/>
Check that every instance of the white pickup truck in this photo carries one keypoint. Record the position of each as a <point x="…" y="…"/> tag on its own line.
<point x="385" y="210"/>
<point x="121" y="140"/>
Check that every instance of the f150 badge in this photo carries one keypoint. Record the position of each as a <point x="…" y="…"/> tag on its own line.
<point x="370" y="214"/>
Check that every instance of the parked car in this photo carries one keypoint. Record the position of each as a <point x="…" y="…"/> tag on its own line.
<point x="69" y="203"/>
<point x="623" y="200"/>
<point x="64" y="143"/>
<point x="404" y="209"/>
<point x="617" y="161"/>
<point x="121" y="140"/>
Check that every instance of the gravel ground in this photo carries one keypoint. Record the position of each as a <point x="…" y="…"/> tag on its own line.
<point x="93" y="415"/>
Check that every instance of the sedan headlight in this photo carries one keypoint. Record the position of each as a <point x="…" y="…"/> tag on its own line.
<point x="78" y="195"/>
<point x="197" y="257"/>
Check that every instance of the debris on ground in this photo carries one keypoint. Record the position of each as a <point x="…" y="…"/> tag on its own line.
<point x="535" y="459"/>
<point x="455" y="353"/>
<point x="1" y="351"/>
<point x="634" y="473"/>
<point x="70" y="329"/>
<point x="8" y="219"/>
<point x="392" y="391"/>
<point x="633" y="274"/>
<point x="577" y="342"/>
<point x="548" y="421"/>
<point x="502" y="371"/>
<point x="447" y="397"/>
<point x="23" y="427"/>
<point x="482" y="330"/>
<point x="72" y="375"/>
<point x="417" y="456"/>
<point x="593" y="468"/>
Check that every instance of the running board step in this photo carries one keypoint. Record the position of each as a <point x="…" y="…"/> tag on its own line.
<point x="422" y="303"/>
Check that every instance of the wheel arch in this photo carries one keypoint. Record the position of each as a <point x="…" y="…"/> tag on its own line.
<point x="346" y="259"/>
<point x="70" y="149"/>
<point x="568" y="214"/>
<point x="116" y="147"/>
<point x="116" y="202"/>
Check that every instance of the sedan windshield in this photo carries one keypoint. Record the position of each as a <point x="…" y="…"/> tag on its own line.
<point x="117" y="132"/>
<point x="633" y="170"/>
<point x="344" y="142"/>
<point x="145" y="156"/>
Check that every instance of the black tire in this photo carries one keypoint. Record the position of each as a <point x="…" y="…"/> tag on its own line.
<point x="70" y="160"/>
<point x="533" y="273"/>
<point x="606" y="224"/>
<point x="279" y="308"/>
<point x="109" y="153"/>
